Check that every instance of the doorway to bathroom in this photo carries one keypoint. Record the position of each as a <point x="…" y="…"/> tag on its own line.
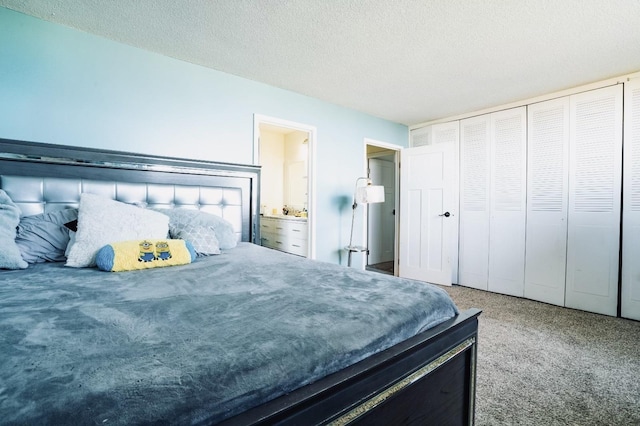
<point x="285" y="151"/>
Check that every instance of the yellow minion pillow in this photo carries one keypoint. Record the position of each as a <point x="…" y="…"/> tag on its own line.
<point x="144" y="254"/>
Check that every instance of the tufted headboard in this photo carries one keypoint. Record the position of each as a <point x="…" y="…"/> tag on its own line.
<point x="41" y="178"/>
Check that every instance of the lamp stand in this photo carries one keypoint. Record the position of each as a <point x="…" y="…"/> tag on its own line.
<point x="351" y="248"/>
<point x="369" y="197"/>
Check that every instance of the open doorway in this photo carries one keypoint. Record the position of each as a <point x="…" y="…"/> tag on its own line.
<point x="285" y="151"/>
<point x="382" y="168"/>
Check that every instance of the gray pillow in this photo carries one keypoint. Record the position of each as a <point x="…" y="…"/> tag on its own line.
<point x="10" y="257"/>
<point x="185" y="219"/>
<point x="202" y="238"/>
<point x="44" y="237"/>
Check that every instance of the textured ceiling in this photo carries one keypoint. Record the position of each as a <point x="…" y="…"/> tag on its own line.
<point x="407" y="61"/>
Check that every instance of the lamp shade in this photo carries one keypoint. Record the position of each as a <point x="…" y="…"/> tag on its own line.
<point x="370" y="194"/>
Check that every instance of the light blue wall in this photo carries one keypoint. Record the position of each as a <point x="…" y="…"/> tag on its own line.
<point x="62" y="86"/>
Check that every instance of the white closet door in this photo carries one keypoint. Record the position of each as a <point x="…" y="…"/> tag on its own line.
<point x="474" y="202"/>
<point x="449" y="133"/>
<point x="631" y="203"/>
<point x="595" y="174"/>
<point x="508" y="201"/>
<point x="547" y="201"/>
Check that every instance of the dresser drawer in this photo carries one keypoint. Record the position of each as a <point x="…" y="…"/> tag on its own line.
<point x="297" y="246"/>
<point x="272" y="240"/>
<point x="268" y="225"/>
<point x="295" y="229"/>
<point x="286" y="235"/>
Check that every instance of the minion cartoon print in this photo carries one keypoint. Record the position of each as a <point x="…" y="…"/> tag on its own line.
<point x="146" y="252"/>
<point x="162" y="250"/>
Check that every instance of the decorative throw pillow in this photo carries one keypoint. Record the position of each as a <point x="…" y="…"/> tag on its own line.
<point x="10" y="257"/>
<point x="181" y="219"/>
<point x="144" y="254"/>
<point x="103" y="220"/>
<point x="203" y="238"/>
<point x="44" y="237"/>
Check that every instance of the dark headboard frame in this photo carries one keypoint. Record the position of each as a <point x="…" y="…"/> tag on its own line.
<point x="20" y="158"/>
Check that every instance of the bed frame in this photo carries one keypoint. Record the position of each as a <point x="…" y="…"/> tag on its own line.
<point x="428" y="379"/>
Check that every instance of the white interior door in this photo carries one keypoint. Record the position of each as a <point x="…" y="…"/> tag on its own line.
<point x="449" y="133"/>
<point x="473" y="261"/>
<point x="507" y="201"/>
<point x="547" y="203"/>
<point x="631" y="203"/>
<point x="426" y="185"/>
<point x="595" y="174"/>
<point x="381" y="217"/>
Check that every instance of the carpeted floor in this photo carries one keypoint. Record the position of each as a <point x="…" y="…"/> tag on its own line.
<point x="540" y="364"/>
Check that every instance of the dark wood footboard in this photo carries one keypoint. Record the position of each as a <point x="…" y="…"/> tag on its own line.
<point x="428" y="379"/>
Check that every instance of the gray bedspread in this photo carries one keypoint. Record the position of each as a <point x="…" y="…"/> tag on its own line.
<point x="194" y="343"/>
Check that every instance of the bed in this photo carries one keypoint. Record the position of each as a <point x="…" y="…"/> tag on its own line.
<point x="246" y="336"/>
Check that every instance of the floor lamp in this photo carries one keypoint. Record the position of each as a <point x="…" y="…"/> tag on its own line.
<point x="366" y="194"/>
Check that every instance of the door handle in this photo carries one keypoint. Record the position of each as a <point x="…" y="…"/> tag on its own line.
<point x="445" y="214"/>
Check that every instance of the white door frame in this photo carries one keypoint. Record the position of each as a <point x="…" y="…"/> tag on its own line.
<point x="259" y="119"/>
<point x="365" y="225"/>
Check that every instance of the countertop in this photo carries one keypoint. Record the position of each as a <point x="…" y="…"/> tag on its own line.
<point x="284" y="217"/>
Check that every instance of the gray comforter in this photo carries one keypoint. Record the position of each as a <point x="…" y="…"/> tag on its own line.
<point x="192" y="343"/>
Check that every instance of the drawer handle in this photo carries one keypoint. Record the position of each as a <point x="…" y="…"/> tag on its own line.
<point x="296" y="230"/>
<point x="277" y="227"/>
<point x="295" y="245"/>
<point x="278" y="242"/>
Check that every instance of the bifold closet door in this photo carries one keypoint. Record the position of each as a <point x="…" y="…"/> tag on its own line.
<point x="631" y="203"/>
<point x="473" y="261"/>
<point x="508" y="167"/>
<point x="595" y="174"/>
<point x="547" y="200"/>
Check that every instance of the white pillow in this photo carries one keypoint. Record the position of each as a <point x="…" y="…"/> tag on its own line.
<point x="10" y="257"/>
<point x="102" y="221"/>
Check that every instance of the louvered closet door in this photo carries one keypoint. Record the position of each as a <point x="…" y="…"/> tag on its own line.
<point x="631" y="203"/>
<point x="474" y="202"/>
<point x="547" y="201"/>
<point x="449" y="133"/>
<point x="595" y="174"/>
<point x="508" y="201"/>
